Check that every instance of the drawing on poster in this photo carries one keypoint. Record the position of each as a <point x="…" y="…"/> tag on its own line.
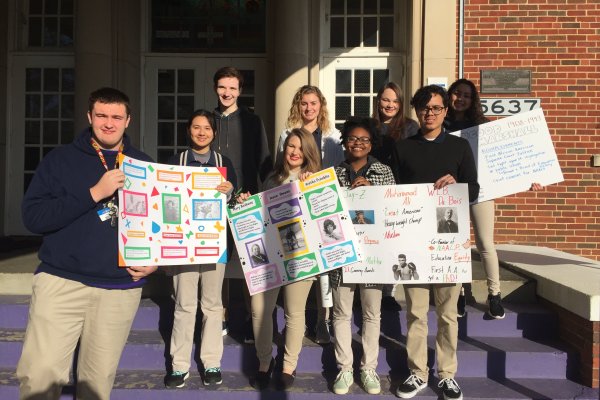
<point x="207" y="209"/>
<point x="329" y="229"/>
<point x="135" y="203"/>
<point x="362" y="217"/>
<point x="446" y="220"/>
<point x="256" y="250"/>
<point x="171" y="208"/>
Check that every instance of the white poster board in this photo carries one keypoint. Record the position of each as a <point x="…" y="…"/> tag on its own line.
<point x="411" y="234"/>
<point x="293" y="232"/>
<point x="512" y="153"/>
<point x="171" y="215"/>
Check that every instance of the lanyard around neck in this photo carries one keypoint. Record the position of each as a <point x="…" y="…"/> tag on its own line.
<point x="96" y="147"/>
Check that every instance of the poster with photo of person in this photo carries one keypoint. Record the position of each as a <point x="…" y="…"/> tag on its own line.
<point x="419" y="234"/>
<point x="171" y="215"/>
<point x="301" y="229"/>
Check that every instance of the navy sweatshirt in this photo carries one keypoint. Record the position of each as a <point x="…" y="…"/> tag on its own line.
<point x="418" y="160"/>
<point x="77" y="245"/>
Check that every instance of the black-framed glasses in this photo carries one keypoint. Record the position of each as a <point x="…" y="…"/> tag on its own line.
<point x="364" y="139"/>
<point x="435" y="110"/>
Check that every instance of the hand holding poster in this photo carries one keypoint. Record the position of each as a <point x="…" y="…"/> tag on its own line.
<point x="410" y="234"/>
<point x="171" y="215"/>
<point x="293" y="232"/>
<point x="512" y="153"/>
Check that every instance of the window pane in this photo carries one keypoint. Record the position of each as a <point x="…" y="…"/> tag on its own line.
<point x="354" y="7"/>
<point x="32" y="105"/>
<point x="66" y="7"/>
<point x="336" y="36"/>
<point x="343" y="81"/>
<point x="50" y="31"/>
<point x="32" y="158"/>
<point x="249" y="81"/>
<point x="370" y="32"/>
<point x="68" y="80"/>
<point x="51" y="80"/>
<point x="386" y="6"/>
<point x="370" y="6"/>
<point x="50" y="105"/>
<point x="362" y="106"/>
<point x="362" y="81"/>
<point x="247" y="102"/>
<point x="67" y="131"/>
<point x="32" y="132"/>
<point x="35" y="31"/>
<point x="182" y="134"/>
<point x="46" y="150"/>
<point x="342" y="107"/>
<point x="386" y="32"/>
<point x="380" y="78"/>
<point x="353" y="32"/>
<point x="185" y="107"/>
<point x="166" y="107"/>
<point x="66" y="106"/>
<point x="337" y="6"/>
<point x="33" y="81"/>
<point x="50" y="135"/>
<point x="27" y="177"/>
<point x="166" y="81"/>
<point x="35" y="6"/>
<point x="166" y="134"/>
<point x="164" y="155"/>
<point x="66" y="32"/>
<point x="51" y="7"/>
<point x="185" y="81"/>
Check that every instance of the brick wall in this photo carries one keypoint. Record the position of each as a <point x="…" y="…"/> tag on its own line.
<point x="559" y="41"/>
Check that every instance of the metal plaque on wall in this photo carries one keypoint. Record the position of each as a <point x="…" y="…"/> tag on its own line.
<point x="506" y="81"/>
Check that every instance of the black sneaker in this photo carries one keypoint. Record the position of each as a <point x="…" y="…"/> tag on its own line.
<point x="262" y="379"/>
<point x="389" y="303"/>
<point x="248" y="332"/>
<point x="461" y="306"/>
<point x="212" y="376"/>
<point x="411" y="386"/>
<point x="287" y="380"/>
<point x="495" y="309"/>
<point x="176" y="379"/>
<point x="450" y="389"/>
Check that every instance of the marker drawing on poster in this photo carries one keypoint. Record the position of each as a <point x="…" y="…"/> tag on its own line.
<point x="171" y="215"/>
<point x="293" y="232"/>
<point x="512" y="153"/>
<point x="410" y="234"/>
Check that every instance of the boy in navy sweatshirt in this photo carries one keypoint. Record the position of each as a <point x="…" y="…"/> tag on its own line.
<point x="79" y="292"/>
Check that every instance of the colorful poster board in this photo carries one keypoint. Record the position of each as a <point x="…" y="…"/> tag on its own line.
<point x="171" y="215"/>
<point x="293" y="232"/>
<point x="410" y="234"/>
<point x="512" y="153"/>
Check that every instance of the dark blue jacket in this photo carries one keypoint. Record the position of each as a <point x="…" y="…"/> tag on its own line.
<point x="77" y="245"/>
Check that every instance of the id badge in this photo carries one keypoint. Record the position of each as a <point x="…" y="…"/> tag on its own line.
<point x="104" y="214"/>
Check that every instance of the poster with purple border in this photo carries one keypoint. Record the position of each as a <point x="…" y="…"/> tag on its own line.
<point x="293" y="232"/>
<point x="171" y="215"/>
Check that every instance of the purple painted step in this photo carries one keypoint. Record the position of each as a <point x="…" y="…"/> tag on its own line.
<point x="149" y="386"/>
<point x="477" y="357"/>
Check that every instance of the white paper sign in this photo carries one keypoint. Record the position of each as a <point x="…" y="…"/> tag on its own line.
<point x="171" y="215"/>
<point x="411" y="234"/>
<point x="512" y="153"/>
<point x="293" y="232"/>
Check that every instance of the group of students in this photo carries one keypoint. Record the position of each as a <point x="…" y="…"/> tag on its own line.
<point x="74" y="189"/>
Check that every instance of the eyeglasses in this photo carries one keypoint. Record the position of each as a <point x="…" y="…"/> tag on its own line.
<point x="435" y="110"/>
<point x="364" y="140"/>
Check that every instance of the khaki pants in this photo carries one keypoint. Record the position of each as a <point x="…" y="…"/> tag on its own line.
<point x="483" y="215"/>
<point x="370" y="299"/>
<point x="185" y="284"/>
<point x="263" y="304"/>
<point x="63" y="312"/>
<point x="417" y="302"/>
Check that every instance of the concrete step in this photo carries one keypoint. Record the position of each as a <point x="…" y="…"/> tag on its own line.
<point x="148" y="385"/>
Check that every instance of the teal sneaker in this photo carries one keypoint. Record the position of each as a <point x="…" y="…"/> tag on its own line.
<point x="342" y="382"/>
<point x="370" y="381"/>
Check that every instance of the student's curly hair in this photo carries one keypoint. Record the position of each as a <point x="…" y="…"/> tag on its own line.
<point x="327" y="223"/>
<point x="295" y="117"/>
<point x="368" y="124"/>
<point x="475" y="112"/>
